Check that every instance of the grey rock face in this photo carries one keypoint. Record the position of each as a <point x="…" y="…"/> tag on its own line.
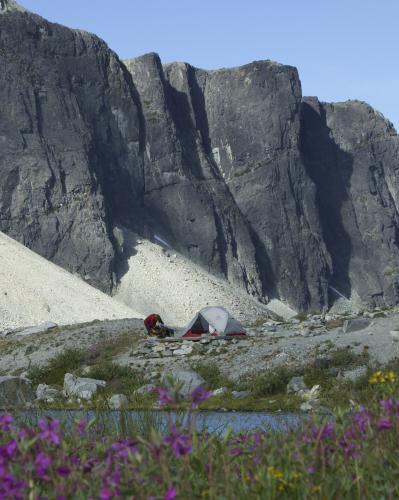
<point x="240" y="394"/>
<point x="353" y="325"/>
<point x="295" y="385"/>
<point x="284" y="197"/>
<point x="145" y="389"/>
<point x="46" y="393"/>
<point x="185" y="196"/>
<point x="69" y="143"/>
<point x="118" y="401"/>
<point x="79" y="387"/>
<point x="260" y="162"/>
<point x="10" y="5"/>
<point x="187" y="379"/>
<point x="15" y="392"/>
<point x="355" y="374"/>
<point x="33" y="330"/>
<point x="352" y="154"/>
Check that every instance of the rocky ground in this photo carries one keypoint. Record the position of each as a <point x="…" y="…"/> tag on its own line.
<point x="369" y="337"/>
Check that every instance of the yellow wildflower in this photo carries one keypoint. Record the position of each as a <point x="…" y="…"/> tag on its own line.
<point x="275" y="472"/>
<point x="316" y="489"/>
<point x="381" y="377"/>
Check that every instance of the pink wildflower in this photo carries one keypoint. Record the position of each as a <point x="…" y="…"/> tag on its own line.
<point x="170" y="494"/>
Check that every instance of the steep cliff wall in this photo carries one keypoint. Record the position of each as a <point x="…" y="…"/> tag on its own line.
<point x="352" y="154"/>
<point x="69" y="143"/>
<point x="285" y="197"/>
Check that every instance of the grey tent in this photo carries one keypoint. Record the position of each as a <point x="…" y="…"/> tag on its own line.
<point x="213" y="320"/>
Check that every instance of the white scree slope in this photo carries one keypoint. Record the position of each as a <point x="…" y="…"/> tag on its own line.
<point x="34" y="290"/>
<point x="175" y="287"/>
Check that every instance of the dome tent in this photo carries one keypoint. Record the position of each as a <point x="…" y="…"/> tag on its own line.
<point x="213" y="320"/>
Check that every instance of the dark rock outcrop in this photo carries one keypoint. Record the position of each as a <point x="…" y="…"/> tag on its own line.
<point x="69" y="144"/>
<point x="282" y="196"/>
<point x="352" y="154"/>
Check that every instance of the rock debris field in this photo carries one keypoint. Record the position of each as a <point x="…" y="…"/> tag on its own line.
<point x="163" y="281"/>
<point x="33" y="290"/>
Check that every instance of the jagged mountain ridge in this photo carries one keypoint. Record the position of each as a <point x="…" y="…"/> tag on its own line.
<point x="283" y="196"/>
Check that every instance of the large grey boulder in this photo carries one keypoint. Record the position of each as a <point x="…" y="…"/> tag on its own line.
<point x="188" y="380"/>
<point x="79" y="387"/>
<point x="15" y="392"/>
<point x="146" y="389"/>
<point x="46" y="393"/>
<point x="118" y="401"/>
<point x="356" y="324"/>
<point x="355" y="374"/>
<point x="296" y="385"/>
<point x="33" y="330"/>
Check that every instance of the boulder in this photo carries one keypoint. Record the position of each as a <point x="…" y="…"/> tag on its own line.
<point x="188" y="380"/>
<point x="46" y="393"/>
<point x="295" y="385"/>
<point x="33" y="330"/>
<point x="355" y="374"/>
<point x="353" y="325"/>
<point x="240" y="394"/>
<point x="310" y="406"/>
<point x="394" y="335"/>
<point x="220" y="391"/>
<point x="79" y="387"/>
<point x="310" y="395"/>
<point x="118" y="401"/>
<point x="15" y="392"/>
<point x="145" y="389"/>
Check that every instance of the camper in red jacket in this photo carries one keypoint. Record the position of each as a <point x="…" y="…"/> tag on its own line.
<point x="156" y="327"/>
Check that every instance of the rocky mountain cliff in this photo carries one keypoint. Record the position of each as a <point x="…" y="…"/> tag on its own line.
<point x="283" y="196"/>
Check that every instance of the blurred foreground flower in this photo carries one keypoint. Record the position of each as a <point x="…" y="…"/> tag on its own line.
<point x="383" y="377"/>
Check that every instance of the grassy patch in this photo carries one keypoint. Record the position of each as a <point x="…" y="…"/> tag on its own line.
<point x="268" y="383"/>
<point x="301" y="316"/>
<point x="53" y="373"/>
<point x="211" y="373"/>
<point x="344" y="357"/>
<point x="334" y="323"/>
<point x="278" y="402"/>
<point x="99" y="357"/>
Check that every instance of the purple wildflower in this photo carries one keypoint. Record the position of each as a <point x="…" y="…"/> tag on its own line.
<point x="42" y="464"/>
<point x="199" y="395"/>
<point x="106" y="494"/>
<point x="50" y="429"/>
<point x="5" y="422"/>
<point x="164" y="397"/>
<point x="10" y="487"/>
<point x="170" y="494"/>
<point x="362" y="420"/>
<point x="81" y="426"/>
<point x="383" y="424"/>
<point x="180" y="443"/>
<point x="236" y="451"/>
<point x="124" y="449"/>
<point x="63" y="471"/>
<point x="311" y="469"/>
<point x="388" y="405"/>
<point x="8" y="450"/>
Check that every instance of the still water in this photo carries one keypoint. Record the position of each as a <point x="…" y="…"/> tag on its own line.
<point x="213" y="421"/>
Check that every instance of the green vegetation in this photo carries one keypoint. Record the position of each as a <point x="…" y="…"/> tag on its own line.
<point x="301" y="316"/>
<point x="53" y="373"/>
<point x="334" y="323"/>
<point x="351" y="456"/>
<point x="211" y="373"/>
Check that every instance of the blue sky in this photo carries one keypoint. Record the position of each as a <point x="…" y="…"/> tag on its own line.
<point x="342" y="49"/>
